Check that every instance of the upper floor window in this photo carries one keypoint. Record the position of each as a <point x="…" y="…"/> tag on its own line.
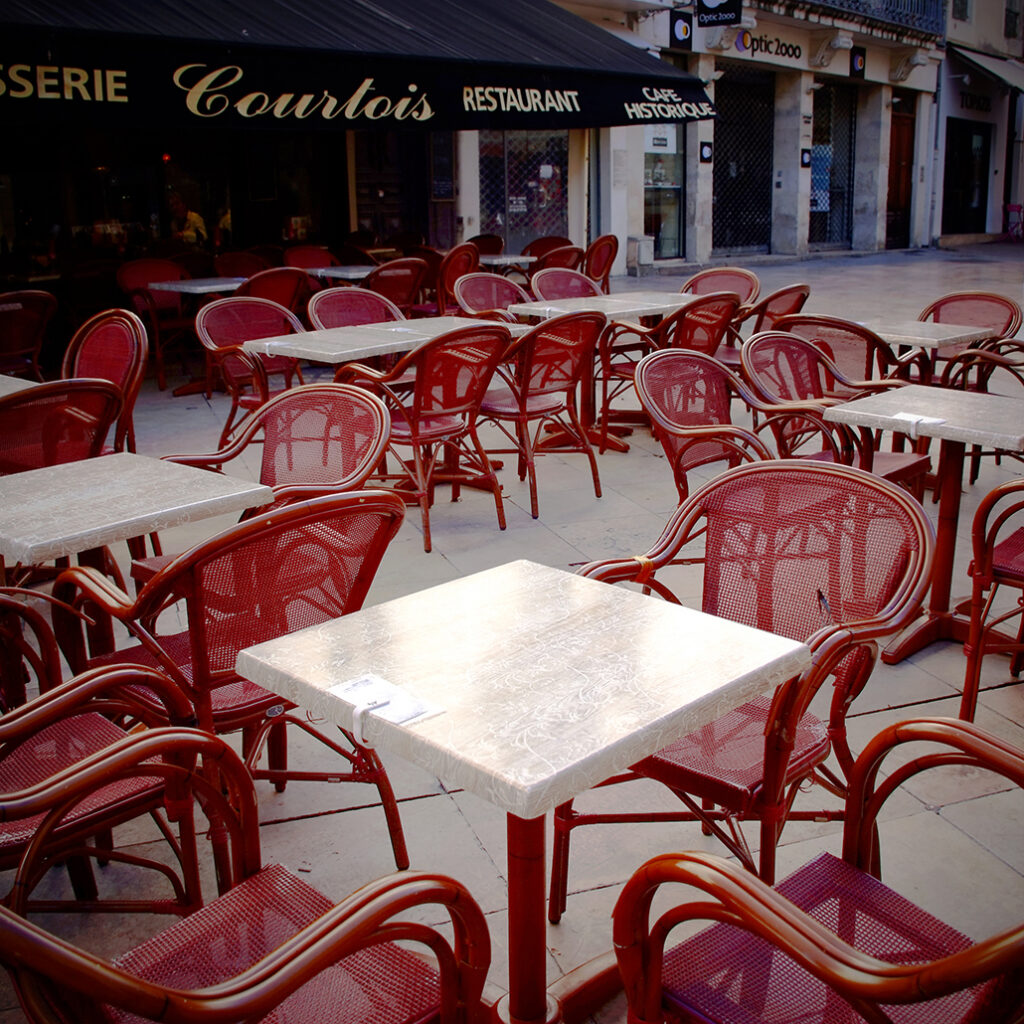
<point x="1011" y="22"/>
<point x="960" y="10"/>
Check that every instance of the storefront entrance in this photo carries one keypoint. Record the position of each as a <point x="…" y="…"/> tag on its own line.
<point x="901" y="171"/>
<point x="832" y="149"/>
<point x="965" y="190"/>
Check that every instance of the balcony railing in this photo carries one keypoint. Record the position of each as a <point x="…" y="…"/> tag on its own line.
<point x="920" y="15"/>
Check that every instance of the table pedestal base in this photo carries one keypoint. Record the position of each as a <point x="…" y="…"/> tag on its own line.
<point x="933" y="627"/>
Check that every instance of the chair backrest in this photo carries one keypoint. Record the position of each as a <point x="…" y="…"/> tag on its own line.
<point x="783" y="367"/>
<point x="689" y="398"/>
<point x="563" y="283"/>
<point x="977" y="309"/>
<point x="349" y="307"/>
<point x="433" y="259"/>
<point x="63" y="421"/>
<point x="490" y="245"/>
<point x="463" y="259"/>
<point x="306" y="256"/>
<point x="480" y="292"/>
<point x="569" y="256"/>
<point x="135" y="277"/>
<point x="316" y="434"/>
<point x="272" y="255"/>
<point x="352" y="253"/>
<point x="599" y="257"/>
<point x="856" y="350"/>
<point x="239" y="264"/>
<point x="287" y="286"/>
<point x="197" y="262"/>
<point x="24" y="316"/>
<point x="550" y="358"/>
<point x="767" y="311"/>
<point x="743" y="282"/>
<point x="538" y="246"/>
<point x="398" y="280"/>
<point x="112" y="346"/>
<point x="701" y="325"/>
<point x="31" y="657"/>
<point x="298" y="566"/>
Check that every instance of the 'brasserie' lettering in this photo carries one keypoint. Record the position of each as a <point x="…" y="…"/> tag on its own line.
<point x="487" y="98"/>
<point x="49" y="82"/>
<point x="208" y="96"/>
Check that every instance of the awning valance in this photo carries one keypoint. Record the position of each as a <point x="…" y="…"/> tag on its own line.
<point x="1010" y="72"/>
<point x="330" y="64"/>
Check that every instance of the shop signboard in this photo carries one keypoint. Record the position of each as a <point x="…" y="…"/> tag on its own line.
<point x="711" y="13"/>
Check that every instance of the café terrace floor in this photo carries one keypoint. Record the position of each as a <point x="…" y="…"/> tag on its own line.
<point x="953" y="842"/>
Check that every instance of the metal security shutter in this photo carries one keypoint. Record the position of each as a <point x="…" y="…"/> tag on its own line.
<point x="522" y="185"/>
<point x="832" y="153"/>
<point x="745" y="100"/>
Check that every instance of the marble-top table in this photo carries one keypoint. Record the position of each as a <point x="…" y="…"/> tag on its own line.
<point x="346" y="272"/>
<point x="12" y="385"/>
<point x="78" y="506"/>
<point x="505" y="259"/>
<point x="346" y="344"/>
<point x="926" y="334"/>
<point x="626" y="304"/>
<point x="541" y="684"/>
<point x="956" y="418"/>
<point x="198" y="285"/>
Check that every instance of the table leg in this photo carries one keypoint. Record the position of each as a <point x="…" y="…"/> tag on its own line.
<point x="939" y="623"/>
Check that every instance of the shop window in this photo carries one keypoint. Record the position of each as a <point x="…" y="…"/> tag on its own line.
<point x="664" y="174"/>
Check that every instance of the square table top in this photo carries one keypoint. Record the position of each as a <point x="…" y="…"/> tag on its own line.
<point x="626" y="304"/>
<point x="993" y="421"/>
<point x="345" y="344"/>
<point x="346" y="272"/>
<point x="12" y="385"/>
<point x="65" y="509"/>
<point x="505" y="259"/>
<point x="546" y="682"/>
<point x="925" y="333"/>
<point x="198" y="285"/>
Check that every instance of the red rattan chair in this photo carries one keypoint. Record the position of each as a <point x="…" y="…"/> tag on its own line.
<point x="112" y="346"/>
<point x="350" y="307"/>
<point x="689" y="398"/>
<point x="287" y="286"/>
<point x="762" y="316"/>
<point x="314" y="440"/>
<point x="487" y="296"/>
<point x="783" y="368"/>
<point x="49" y="736"/>
<point x="437" y="419"/>
<point x="278" y="572"/>
<point x="598" y="259"/>
<point x="398" y="280"/>
<point x="167" y="315"/>
<point x="743" y="282"/>
<point x="825" y="554"/>
<point x="309" y="256"/>
<point x="270" y="947"/>
<point x="568" y="257"/>
<point x="830" y="943"/>
<point x="272" y="255"/>
<point x="63" y="421"/>
<point x="24" y="317"/>
<point x="540" y="390"/>
<point x="857" y="351"/>
<point x="239" y="264"/>
<point x="29" y="657"/>
<point x="490" y="245"/>
<point x="223" y="326"/>
<point x="1001" y="315"/>
<point x="463" y="259"/>
<point x="563" y="283"/>
<point x="997" y="540"/>
<point x="698" y="327"/>
<point x="537" y="248"/>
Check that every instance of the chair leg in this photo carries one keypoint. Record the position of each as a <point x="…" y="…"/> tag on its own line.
<point x="558" y="892"/>
<point x="277" y="752"/>
<point x="488" y="469"/>
<point x="587" y="447"/>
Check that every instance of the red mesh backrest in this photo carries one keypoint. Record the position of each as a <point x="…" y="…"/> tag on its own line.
<point x="569" y="256"/>
<point x="701" y="326"/>
<point x="786" y="368"/>
<point x="539" y="246"/>
<point x="492" y="245"/>
<point x="600" y="256"/>
<point x="780" y="303"/>
<point x="977" y="309"/>
<point x="480" y="292"/>
<point x="235" y="320"/>
<point x="681" y="389"/>
<point x="23" y="322"/>
<point x="62" y="421"/>
<point x="287" y="286"/>
<point x="453" y="371"/>
<point x="562" y="283"/>
<point x="463" y="259"/>
<point x="306" y="256"/>
<point x="398" y="280"/>
<point x="282" y="574"/>
<point x="724" y="279"/>
<point x="433" y="260"/>
<point x="321" y="434"/>
<point x="851" y="347"/>
<point x="137" y="275"/>
<point x="792" y="551"/>
<point x="349" y="307"/>
<point x="239" y="264"/>
<point x="554" y="354"/>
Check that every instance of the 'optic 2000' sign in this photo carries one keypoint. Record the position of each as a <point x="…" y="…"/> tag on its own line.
<point x="773" y="47"/>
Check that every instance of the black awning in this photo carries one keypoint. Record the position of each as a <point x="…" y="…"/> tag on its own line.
<point x="330" y="64"/>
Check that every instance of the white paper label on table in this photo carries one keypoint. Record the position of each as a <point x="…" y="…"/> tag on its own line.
<point x="914" y="421"/>
<point x="373" y="695"/>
